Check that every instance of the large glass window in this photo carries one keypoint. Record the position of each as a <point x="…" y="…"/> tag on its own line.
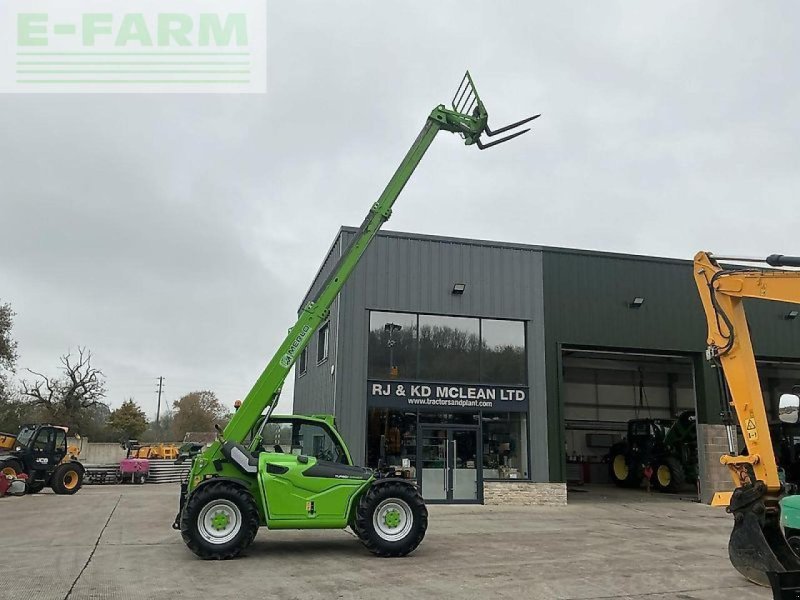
<point x="446" y="349"/>
<point x="502" y="351"/>
<point x="505" y="446"/>
<point x="449" y="348"/>
<point x="392" y="345"/>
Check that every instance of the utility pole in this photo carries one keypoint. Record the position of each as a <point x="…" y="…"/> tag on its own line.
<point x="160" y="388"/>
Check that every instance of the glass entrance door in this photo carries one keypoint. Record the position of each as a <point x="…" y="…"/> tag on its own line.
<point x="463" y="465"/>
<point x="448" y="464"/>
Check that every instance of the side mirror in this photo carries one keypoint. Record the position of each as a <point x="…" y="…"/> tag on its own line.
<point x="789" y="408"/>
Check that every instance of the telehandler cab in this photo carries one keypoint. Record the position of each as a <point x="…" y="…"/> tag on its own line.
<point x="296" y="472"/>
<point x="761" y="503"/>
<point x="42" y="454"/>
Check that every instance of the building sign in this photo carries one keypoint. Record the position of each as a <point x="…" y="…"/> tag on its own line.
<point x="446" y="397"/>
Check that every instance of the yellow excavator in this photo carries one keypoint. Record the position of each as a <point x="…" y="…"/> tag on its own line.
<point x="763" y="506"/>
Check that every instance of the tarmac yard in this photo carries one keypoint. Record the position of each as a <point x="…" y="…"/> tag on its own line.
<point x="115" y="542"/>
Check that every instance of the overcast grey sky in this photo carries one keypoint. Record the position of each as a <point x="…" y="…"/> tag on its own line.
<point x="176" y="235"/>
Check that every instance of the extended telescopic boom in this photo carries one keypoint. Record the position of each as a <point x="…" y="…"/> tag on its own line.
<point x="467" y="117"/>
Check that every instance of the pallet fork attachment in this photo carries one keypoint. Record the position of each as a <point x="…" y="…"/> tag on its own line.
<point x="467" y="102"/>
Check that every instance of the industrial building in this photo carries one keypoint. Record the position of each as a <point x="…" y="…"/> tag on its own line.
<point x="481" y="367"/>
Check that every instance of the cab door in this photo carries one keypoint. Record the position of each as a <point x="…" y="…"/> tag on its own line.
<point x="305" y="474"/>
<point x="40" y="454"/>
<point x="59" y="446"/>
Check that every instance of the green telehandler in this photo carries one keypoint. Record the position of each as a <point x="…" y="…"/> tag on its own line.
<point x="296" y="472"/>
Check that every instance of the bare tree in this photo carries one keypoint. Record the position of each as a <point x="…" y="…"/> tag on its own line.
<point x="70" y="396"/>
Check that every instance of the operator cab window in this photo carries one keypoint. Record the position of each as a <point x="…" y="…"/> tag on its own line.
<point x="61" y="439"/>
<point x="299" y="438"/>
<point x="44" y="440"/>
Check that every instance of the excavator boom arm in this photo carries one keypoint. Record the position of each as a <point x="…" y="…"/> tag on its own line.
<point x="757" y="544"/>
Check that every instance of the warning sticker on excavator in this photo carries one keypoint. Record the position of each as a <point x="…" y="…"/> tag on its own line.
<point x="752" y="432"/>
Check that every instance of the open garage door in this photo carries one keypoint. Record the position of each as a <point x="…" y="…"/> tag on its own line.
<point x="780" y="377"/>
<point x="629" y="421"/>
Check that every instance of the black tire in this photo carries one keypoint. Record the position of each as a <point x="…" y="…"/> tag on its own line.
<point x="235" y="504"/>
<point x="11" y="467"/>
<point x="399" y="501"/>
<point x="674" y="481"/>
<point x="67" y="479"/>
<point x="620" y="470"/>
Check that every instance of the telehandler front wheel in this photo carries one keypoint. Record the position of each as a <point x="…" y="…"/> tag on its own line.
<point x="391" y="519"/>
<point x="219" y="521"/>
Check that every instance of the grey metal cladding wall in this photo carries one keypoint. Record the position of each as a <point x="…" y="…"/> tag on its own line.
<point x="406" y="272"/>
<point x="314" y="391"/>
<point x="587" y="296"/>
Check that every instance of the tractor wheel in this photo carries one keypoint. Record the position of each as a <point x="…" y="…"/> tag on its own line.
<point x="620" y="470"/>
<point x="66" y="479"/>
<point x="391" y="519"/>
<point x="11" y="467"/>
<point x="669" y="476"/>
<point x="219" y="521"/>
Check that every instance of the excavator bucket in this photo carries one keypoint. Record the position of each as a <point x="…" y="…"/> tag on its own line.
<point x="757" y="545"/>
<point x="466" y="101"/>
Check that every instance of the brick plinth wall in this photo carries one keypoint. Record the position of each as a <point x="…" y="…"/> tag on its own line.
<point x="712" y="443"/>
<point x="524" y="493"/>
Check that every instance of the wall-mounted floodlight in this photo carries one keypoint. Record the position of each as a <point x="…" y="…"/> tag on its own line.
<point x="636" y="302"/>
<point x="458" y="289"/>
<point x="390" y="327"/>
<point x="792" y="314"/>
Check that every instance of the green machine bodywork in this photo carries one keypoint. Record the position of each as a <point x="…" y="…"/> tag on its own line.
<point x="297" y="489"/>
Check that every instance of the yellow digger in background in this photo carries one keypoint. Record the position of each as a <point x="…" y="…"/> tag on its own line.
<point x="41" y="453"/>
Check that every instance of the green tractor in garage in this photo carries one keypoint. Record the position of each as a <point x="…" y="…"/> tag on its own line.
<point x="662" y="450"/>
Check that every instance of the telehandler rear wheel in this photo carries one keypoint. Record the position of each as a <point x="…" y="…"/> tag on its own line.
<point x="219" y="521"/>
<point x="66" y="479"/>
<point x="391" y="519"/>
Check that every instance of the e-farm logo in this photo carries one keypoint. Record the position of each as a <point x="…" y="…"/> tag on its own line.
<point x="185" y="46"/>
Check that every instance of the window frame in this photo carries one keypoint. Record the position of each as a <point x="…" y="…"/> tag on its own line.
<point x="323" y="341"/>
<point x="480" y="319"/>
<point x="302" y="363"/>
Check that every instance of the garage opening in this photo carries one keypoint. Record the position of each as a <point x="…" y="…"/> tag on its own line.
<point x="630" y="423"/>
<point x="780" y="377"/>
